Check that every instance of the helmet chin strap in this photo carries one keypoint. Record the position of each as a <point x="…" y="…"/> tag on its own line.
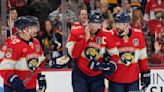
<point x="28" y="33"/>
<point x="125" y="31"/>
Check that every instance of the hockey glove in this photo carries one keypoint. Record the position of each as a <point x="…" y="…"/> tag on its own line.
<point x="145" y="79"/>
<point x="59" y="62"/>
<point x="107" y="68"/>
<point x="42" y="82"/>
<point x="16" y="83"/>
<point x="112" y="67"/>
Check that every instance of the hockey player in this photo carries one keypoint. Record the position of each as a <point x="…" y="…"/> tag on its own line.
<point x="87" y="46"/>
<point x="132" y="57"/>
<point x="22" y="58"/>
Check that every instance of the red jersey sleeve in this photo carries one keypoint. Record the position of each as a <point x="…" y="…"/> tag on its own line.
<point x="76" y="41"/>
<point x="111" y="47"/>
<point x="9" y="60"/>
<point x="143" y="59"/>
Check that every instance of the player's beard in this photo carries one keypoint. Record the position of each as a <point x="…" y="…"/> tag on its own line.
<point x="122" y="31"/>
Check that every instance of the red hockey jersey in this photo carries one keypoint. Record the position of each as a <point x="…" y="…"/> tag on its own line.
<point x="84" y="50"/>
<point x="20" y="58"/>
<point x="132" y="57"/>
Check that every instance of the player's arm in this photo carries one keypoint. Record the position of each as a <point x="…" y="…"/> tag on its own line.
<point x="7" y="66"/>
<point x="75" y="44"/>
<point x="108" y="66"/>
<point x="112" y="49"/>
<point x="143" y="62"/>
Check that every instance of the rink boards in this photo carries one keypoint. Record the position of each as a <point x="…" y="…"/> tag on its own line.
<point x="59" y="80"/>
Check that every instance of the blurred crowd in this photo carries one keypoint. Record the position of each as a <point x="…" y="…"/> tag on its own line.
<point x="146" y="15"/>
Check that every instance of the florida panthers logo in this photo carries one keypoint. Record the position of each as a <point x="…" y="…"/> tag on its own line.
<point x="91" y="53"/>
<point x="32" y="64"/>
<point x="127" y="57"/>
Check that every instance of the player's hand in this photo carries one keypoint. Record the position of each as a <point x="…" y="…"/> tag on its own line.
<point x="59" y="62"/>
<point x="16" y="83"/>
<point x="42" y="82"/>
<point x="145" y="78"/>
<point x="107" y="68"/>
<point x="87" y="33"/>
<point x="62" y="60"/>
<point x="110" y="68"/>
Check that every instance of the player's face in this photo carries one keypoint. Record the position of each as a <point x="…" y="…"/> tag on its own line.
<point x="94" y="27"/>
<point x="33" y="31"/>
<point x="121" y="27"/>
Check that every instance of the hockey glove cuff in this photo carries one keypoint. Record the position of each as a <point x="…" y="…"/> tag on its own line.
<point x="111" y="67"/>
<point x="107" y="68"/>
<point x="42" y="82"/>
<point x="16" y="83"/>
<point x="59" y="62"/>
<point x="145" y="78"/>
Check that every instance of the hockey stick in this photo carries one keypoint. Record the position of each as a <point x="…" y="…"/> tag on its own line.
<point x="143" y="89"/>
<point x="28" y="78"/>
<point x="10" y="20"/>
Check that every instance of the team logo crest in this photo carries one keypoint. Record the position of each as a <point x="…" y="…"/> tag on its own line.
<point x="127" y="57"/>
<point x="135" y="42"/>
<point x="33" y="64"/>
<point x="91" y="53"/>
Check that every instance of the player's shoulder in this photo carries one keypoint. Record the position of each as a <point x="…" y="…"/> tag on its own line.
<point x="76" y="25"/>
<point x="77" y="29"/>
<point x="36" y="41"/>
<point x="137" y="30"/>
<point x="13" y="40"/>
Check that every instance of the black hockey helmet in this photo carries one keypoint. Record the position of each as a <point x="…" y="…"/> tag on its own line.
<point x="121" y="17"/>
<point x="25" y="21"/>
<point x="95" y="17"/>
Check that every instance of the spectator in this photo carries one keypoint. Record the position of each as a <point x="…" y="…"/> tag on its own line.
<point x="154" y="8"/>
<point x="40" y="9"/>
<point x="97" y="4"/>
<point x="52" y="41"/>
<point x="158" y="54"/>
<point x="76" y="5"/>
<point x="113" y="4"/>
<point x="47" y="37"/>
<point x="56" y="16"/>
<point x="137" y="18"/>
<point x="107" y="16"/>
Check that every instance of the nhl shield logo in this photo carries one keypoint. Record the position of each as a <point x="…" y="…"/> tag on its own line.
<point x="135" y="42"/>
<point x="37" y="48"/>
<point x="98" y="40"/>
